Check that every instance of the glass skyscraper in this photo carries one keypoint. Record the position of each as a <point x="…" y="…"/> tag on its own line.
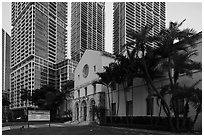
<point x="5" y="61"/>
<point x="38" y="40"/>
<point x="87" y="27"/>
<point x="135" y="15"/>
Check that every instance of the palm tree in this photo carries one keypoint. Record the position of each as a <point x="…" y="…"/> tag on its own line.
<point x="192" y="96"/>
<point x="175" y="48"/>
<point x="117" y="78"/>
<point x="196" y="101"/>
<point x="66" y="89"/>
<point x="5" y="105"/>
<point x="26" y="96"/>
<point x="121" y="72"/>
<point x="106" y="79"/>
<point x="141" y="46"/>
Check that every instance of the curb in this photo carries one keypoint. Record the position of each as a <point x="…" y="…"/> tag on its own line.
<point x="142" y="130"/>
<point x="6" y="128"/>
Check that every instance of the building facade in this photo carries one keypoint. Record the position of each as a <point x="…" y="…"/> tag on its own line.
<point x="128" y="99"/>
<point x="64" y="72"/>
<point x="135" y="16"/>
<point x="5" y="61"/>
<point x="133" y="99"/>
<point x="5" y="72"/>
<point x="38" y="40"/>
<point x="86" y="94"/>
<point x="87" y="27"/>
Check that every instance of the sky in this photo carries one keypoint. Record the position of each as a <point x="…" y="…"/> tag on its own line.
<point x="175" y="11"/>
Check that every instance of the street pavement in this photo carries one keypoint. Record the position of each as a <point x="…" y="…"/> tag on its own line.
<point x="75" y="129"/>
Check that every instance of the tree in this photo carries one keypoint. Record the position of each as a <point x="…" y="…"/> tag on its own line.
<point x="100" y="113"/>
<point x="117" y="78"/>
<point x="121" y="72"/>
<point x="5" y="106"/>
<point x="48" y="98"/>
<point x="172" y="51"/>
<point x="143" y="54"/>
<point x="26" y="96"/>
<point x="196" y="101"/>
<point x="175" y="48"/>
<point x="66" y="89"/>
<point x="106" y="79"/>
<point x="5" y="100"/>
<point x="68" y="86"/>
<point x="193" y="96"/>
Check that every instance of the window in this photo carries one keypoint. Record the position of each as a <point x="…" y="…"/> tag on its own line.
<point x="150" y="104"/>
<point x="78" y="93"/>
<point x="113" y="86"/>
<point x="94" y="88"/>
<point x="129" y="108"/>
<point x="180" y="106"/>
<point x="85" y="70"/>
<point x="113" y="107"/>
<point x="85" y="91"/>
<point x="94" y="68"/>
<point x="130" y="82"/>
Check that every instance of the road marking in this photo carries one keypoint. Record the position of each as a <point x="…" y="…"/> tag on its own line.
<point x="56" y="125"/>
<point x="32" y="126"/>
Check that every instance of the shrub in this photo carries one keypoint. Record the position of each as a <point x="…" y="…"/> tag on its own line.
<point x="158" y="123"/>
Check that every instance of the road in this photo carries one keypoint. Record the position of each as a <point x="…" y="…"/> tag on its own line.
<point x="68" y="129"/>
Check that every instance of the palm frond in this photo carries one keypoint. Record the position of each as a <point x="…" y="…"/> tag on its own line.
<point x="178" y="25"/>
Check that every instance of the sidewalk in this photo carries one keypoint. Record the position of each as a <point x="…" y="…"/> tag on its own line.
<point x="5" y="128"/>
<point x="154" y="132"/>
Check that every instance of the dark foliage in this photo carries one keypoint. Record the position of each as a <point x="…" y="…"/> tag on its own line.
<point x="143" y="122"/>
<point x="48" y="98"/>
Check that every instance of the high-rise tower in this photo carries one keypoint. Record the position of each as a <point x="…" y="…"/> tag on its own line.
<point x="87" y="27"/>
<point x="135" y="15"/>
<point x="38" y="40"/>
<point x="5" y="61"/>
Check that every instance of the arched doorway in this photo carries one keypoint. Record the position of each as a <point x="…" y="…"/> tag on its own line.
<point x="92" y="107"/>
<point x="84" y="109"/>
<point x="77" y="111"/>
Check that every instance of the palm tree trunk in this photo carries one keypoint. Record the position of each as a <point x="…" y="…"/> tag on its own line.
<point x="151" y="118"/>
<point x="111" y="106"/>
<point x="177" y="115"/>
<point x="26" y="108"/>
<point x="132" y="106"/>
<point x="194" y="121"/>
<point x="125" y="101"/>
<point x="175" y="107"/>
<point x="118" y="100"/>
<point x="196" y="116"/>
<point x="185" y="115"/>
<point x="125" y="98"/>
<point x="169" y="74"/>
<point x="109" y="103"/>
<point x="160" y="107"/>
